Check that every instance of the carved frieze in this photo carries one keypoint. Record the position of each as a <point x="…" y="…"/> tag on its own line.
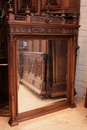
<point x="20" y="30"/>
<point x="53" y="31"/>
<point x="42" y="30"/>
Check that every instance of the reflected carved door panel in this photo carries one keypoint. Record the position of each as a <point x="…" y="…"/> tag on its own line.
<point x="56" y="6"/>
<point x="20" y="6"/>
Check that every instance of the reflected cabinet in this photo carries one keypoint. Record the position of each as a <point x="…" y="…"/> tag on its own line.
<point x="42" y="40"/>
<point x="44" y="70"/>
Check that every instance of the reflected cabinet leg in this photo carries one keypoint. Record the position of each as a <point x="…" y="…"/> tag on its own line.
<point x="86" y="100"/>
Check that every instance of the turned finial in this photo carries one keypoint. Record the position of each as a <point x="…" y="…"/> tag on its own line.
<point x="63" y="13"/>
<point x="27" y="11"/>
<point x="11" y="15"/>
<point x="10" y="10"/>
<point x="27" y="14"/>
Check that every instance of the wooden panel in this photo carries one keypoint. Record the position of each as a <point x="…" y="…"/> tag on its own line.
<point x="74" y="6"/>
<point x="36" y="45"/>
<point x="43" y="46"/>
<point x="20" y="6"/>
<point x="30" y="45"/>
<point x="65" y="3"/>
<point x="61" y="60"/>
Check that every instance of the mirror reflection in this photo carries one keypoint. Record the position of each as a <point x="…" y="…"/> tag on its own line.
<point x="41" y="73"/>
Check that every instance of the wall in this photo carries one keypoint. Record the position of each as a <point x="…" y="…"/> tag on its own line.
<point x="81" y="64"/>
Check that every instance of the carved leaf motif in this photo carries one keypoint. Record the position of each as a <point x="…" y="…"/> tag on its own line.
<point x="53" y="2"/>
<point x="27" y="2"/>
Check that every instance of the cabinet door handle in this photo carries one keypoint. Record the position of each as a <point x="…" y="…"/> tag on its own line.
<point x="3" y="64"/>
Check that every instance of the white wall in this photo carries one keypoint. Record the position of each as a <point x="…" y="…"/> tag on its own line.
<point x="81" y="65"/>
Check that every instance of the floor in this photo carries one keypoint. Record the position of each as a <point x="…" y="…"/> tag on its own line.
<point x="32" y="99"/>
<point x="67" y="119"/>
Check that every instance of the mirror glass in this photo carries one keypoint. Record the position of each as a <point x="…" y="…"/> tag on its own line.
<point x="41" y="73"/>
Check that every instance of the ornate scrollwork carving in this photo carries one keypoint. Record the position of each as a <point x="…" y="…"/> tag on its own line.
<point x="54" y="31"/>
<point x="53" y="2"/>
<point x="39" y="68"/>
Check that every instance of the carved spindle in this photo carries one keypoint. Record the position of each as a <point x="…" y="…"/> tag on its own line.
<point x="39" y="6"/>
<point x="63" y="15"/>
<point x="27" y="12"/>
<point x="11" y="15"/>
<point x="74" y="19"/>
<point x="48" y="9"/>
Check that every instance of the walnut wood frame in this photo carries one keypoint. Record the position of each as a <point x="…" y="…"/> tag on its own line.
<point x="31" y="29"/>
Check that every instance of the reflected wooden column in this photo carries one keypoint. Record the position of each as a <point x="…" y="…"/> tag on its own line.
<point x="53" y="60"/>
<point x="12" y="73"/>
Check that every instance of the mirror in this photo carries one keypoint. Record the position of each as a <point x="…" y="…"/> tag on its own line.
<point x="41" y="62"/>
<point x="41" y="73"/>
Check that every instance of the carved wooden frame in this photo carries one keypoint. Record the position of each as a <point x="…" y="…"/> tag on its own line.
<point x="48" y="28"/>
